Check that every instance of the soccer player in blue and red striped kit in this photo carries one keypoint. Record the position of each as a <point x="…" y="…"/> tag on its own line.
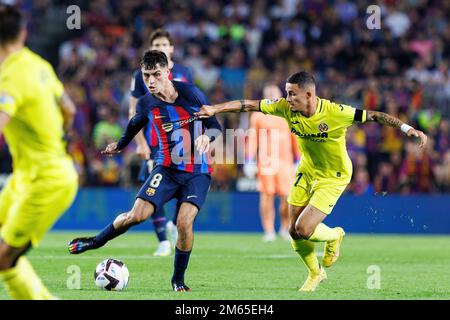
<point x="147" y="140"/>
<point x="182" y="170"/>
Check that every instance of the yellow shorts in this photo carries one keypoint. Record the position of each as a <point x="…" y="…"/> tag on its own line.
<point x="31" y="203"/>
<point x="320" y="192"/>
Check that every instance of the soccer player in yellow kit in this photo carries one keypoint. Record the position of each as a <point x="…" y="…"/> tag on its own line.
<point x="325" y="169"/>
<point x="33" y="111"/>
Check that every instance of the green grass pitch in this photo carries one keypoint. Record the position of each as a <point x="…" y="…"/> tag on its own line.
<point x="241" y="266"/>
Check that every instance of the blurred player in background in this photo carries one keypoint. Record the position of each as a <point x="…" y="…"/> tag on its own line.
<point x="147" y="140"/>
<point x="182" y="170"/>
<point x="272" y="183"/>
<point x="325" y="170"/>
<point x="34" y="111"/>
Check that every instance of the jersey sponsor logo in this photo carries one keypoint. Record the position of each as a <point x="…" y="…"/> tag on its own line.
<point x="323" y="127"/>
<point x="315" y="137"/>
<point x="168" y="126"/>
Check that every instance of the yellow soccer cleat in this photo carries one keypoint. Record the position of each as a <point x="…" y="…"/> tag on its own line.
<point x="331" y="250"/>
<point x="313" y="281"/>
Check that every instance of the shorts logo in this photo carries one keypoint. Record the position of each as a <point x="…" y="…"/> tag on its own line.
<point x="150" y="191"/>
<point x="323" y="127"/>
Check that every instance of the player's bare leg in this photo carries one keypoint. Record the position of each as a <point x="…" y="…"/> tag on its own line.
<point x="141" y="211"/>
<point x="267" y="213"/>
<point x="284" y="218"/>
<point x="309" y="226"/>
<point x="20" y="279"/>
<point x="185" y="242"/>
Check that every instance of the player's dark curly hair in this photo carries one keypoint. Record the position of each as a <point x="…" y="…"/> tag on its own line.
<point x="11" y="23"/>
<point x="152" y="58"/>
<point x="303" y="79"/>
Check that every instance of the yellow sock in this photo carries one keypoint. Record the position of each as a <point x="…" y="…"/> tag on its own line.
<point x="305" y="249"/>
<point x="323" y="233"/>
<point x="22" y="283"/>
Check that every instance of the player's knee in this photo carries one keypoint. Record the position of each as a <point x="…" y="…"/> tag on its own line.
<point x="303" y="230"/>
<point x="7" y="256"/>
<point x="293" y="231"/>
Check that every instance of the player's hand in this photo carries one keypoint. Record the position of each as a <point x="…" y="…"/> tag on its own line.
<point x="202" y="144"/>
<point x="205" y="112"/>
<point x="143" y="151"/>
<point x="111" y="149"/>
<point x="419" y="135"/>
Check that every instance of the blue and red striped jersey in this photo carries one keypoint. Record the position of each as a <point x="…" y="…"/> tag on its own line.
<point x="176" y="128"/>
<point x="139" y="89"/>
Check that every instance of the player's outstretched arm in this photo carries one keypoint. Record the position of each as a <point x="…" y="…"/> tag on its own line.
<point x="230" y="106"/>
<point x="385" y="119"/>
<point x="134" y="126"/>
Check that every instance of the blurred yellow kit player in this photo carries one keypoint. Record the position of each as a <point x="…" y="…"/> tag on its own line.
<point x="33" y="113"/>
<point x="325" y="169"/>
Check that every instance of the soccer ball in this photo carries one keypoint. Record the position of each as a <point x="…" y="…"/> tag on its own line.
<point x="111" y="274"/>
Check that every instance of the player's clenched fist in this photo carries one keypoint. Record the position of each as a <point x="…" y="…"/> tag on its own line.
<point x="202" y="144"/>
<point x="421" y="137"/>
<point x="111" y="149"/>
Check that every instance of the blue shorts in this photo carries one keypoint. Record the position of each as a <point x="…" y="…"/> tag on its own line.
<point x="166" y="183"/>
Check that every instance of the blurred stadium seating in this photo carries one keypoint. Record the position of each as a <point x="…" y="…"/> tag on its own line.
<point x="234" y="48"/>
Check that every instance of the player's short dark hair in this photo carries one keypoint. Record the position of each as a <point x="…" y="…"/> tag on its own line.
<point x="302" y="79"/>
<point x="152" y="58"/>
<point x="11" y="23"/>
<point x="160" y="33"/>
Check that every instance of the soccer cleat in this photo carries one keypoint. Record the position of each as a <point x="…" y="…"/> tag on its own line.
<point x="164" y="249"/>
<point x="80" y="245"/>
<point x="180" y="287"/>
<point x="331" y="250"/>
<point x="172" y="232"/>
<point x="313" y="281"/>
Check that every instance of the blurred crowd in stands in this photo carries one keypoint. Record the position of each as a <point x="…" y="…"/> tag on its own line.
<point x="235" y="47"/>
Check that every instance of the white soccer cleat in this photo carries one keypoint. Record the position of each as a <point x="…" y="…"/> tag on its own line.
<point x="172" y="232"/>
<point x="164" y="249"/>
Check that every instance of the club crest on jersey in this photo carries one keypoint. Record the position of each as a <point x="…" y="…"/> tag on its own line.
<point x="323" y="127"/>
<point x="150" y="191"/>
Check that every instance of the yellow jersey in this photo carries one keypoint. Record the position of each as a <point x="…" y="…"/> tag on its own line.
<point x="321" y="137"/>
<point x="29" y="91"/>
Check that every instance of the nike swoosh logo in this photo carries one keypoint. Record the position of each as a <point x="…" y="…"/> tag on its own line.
<point x="159" y="117"/>
<point x="188" y="197"/>
<point x="331" y="205"/>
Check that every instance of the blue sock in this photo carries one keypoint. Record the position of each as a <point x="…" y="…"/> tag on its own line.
<point x="180" y="264"/>
<point x="107" y="234"/>
<point x="160" y="228"/>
